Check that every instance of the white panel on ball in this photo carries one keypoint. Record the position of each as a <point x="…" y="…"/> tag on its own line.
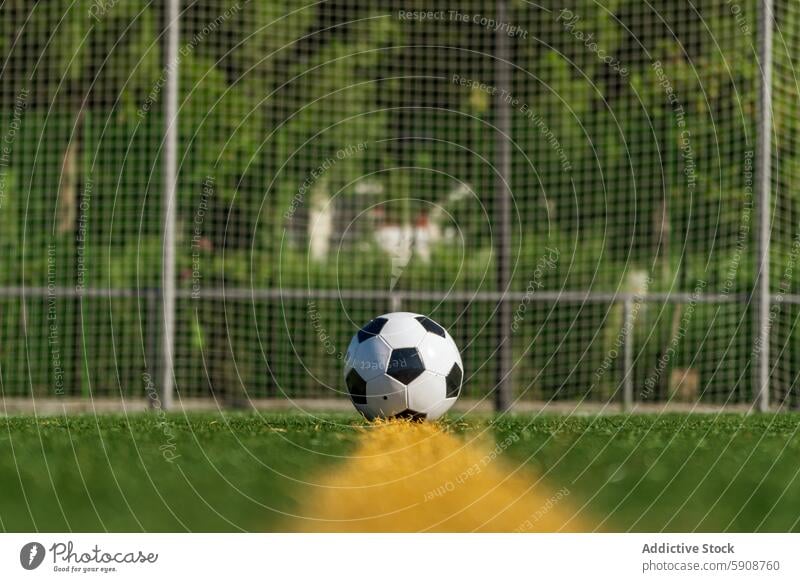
<point x="403" y="332"/>
<point x="386" y="396"/>
<point x="371" y="358"/>
<point x="438" y="353"/>
<point x="426" y="391"/>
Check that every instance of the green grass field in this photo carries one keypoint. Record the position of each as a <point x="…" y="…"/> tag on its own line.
<point x="249" y="472"/>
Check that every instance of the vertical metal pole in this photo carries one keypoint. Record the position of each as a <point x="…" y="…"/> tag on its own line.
<point x="763" y="207"/>
<point x="503" y="391"/>
<point x="170" y="178"/>
<point x="152" y="357"/>
<point x="627" y="355"/>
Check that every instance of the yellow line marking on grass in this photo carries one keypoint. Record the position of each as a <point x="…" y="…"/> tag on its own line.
<point x="408" y="477"/>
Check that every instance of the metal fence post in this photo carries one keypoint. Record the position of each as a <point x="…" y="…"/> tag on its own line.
<point x="152" y="353"/>
<point x="627" y="355"/>
<point x="503" y="389"/>
<point x="763" y="208"/>
<point x="170" y="178"/>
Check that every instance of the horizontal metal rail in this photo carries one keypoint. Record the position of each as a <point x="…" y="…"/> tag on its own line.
<point x="238" y="293"/>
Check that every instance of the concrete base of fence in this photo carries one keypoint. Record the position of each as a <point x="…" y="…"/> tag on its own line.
<point x="58" y="406"/>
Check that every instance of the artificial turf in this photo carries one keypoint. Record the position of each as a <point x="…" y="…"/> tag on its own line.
<point x="254" y="472"/>
<point x="109" y="473"/>
<point x="669" y="473"/>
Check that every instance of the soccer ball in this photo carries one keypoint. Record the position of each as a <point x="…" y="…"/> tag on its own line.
<point x="403" y="365"/>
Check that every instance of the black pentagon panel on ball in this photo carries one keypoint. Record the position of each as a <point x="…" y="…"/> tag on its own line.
<point x="409" y="414"/>
<point x="405" y="365"/>
<point x="372" y="329"/>
<point x="431" y="325"/>
<point x="357" y="387"/>
<point x="453" y="381"/>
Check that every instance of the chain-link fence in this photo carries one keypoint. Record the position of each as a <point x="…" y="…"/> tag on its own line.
<point x="209" y="198"/>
